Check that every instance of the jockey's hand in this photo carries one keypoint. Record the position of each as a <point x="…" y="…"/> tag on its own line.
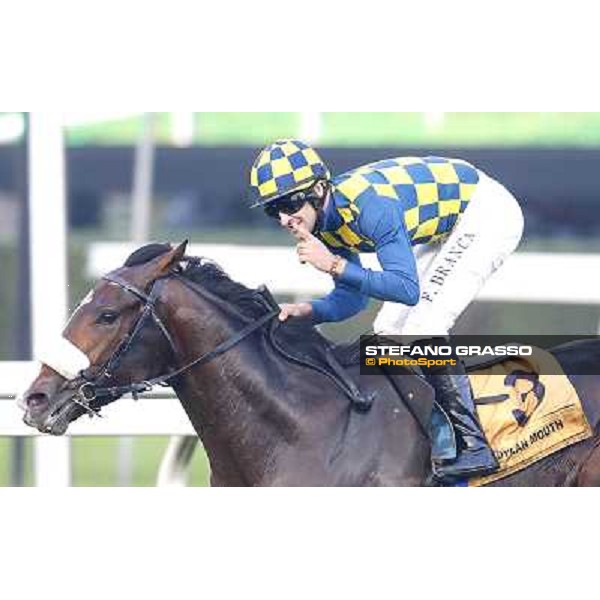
<point x="302" y="309"/>
<point x="312" y="250"/>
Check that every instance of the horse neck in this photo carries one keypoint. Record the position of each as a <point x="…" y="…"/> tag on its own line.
<point x="240" y="416"/>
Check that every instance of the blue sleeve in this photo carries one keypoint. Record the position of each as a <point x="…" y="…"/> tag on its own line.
<point x="344" y="301"/>
<point x="382" y="221"/>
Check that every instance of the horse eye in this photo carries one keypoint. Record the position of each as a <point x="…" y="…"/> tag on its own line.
<point x="107" y="317"/>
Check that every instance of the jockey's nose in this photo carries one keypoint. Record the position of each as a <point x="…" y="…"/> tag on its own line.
<point x="284" y="219"/>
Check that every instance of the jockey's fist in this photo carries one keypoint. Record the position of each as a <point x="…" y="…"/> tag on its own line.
<point x="302" y="309"/>
<point x="312" y="250"/>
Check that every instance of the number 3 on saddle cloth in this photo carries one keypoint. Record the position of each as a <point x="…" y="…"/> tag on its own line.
<point x="528" y="409"/>
<point x="527" y="406"/>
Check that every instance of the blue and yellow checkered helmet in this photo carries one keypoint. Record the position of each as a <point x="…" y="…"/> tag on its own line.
<point x="283" y="167"/>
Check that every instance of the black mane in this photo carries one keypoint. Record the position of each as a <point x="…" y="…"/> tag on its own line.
<point x="208" y="274"/>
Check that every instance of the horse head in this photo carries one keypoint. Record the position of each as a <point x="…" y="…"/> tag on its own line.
<point x="112" y="340"/>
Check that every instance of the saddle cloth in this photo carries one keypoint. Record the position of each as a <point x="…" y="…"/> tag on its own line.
<point x="525" y="414"/>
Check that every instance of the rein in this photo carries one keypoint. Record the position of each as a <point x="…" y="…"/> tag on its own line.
<point x="91" y="390"/>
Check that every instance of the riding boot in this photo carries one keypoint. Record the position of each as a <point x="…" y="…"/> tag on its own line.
<point x="453" y="393"/>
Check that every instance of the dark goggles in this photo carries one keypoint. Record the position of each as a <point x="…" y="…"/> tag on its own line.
<point x="288" y="205"/>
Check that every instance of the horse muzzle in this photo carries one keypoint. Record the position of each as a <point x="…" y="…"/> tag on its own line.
<point x="47" y="405"/>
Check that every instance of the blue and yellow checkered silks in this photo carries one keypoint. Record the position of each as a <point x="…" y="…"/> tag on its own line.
<point x="283" y="167"/>
<point x="434" y="192"/>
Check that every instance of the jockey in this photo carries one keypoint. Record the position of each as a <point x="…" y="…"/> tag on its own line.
<point x="439" y="226"/>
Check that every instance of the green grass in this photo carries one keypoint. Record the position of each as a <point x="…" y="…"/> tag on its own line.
<point x="119" y="131"/>
<point x="8" y="297"/>
<point x="366" y="129"/>
<point x="94" y="461"/>
<point x="246" y="128"/>
<point x="6" y="448"/>
<point x="221" y="128"/>
<point x="464" y="129"/>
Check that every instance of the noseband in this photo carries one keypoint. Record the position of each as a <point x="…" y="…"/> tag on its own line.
<point x="92" y="388"/>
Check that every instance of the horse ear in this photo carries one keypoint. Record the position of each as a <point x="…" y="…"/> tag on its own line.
<point x="171" y="258"/>
<point x="180" y="250"/>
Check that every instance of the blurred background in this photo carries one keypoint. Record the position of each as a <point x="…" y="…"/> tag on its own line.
<point x="171" y="176"/>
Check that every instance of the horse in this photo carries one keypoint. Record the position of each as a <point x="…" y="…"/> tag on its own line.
<point x="264" y="418"/>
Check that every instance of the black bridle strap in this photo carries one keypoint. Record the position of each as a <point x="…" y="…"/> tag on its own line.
<point x="149" y="300"/>
<point x="147" y="385"/>
<point x="220" y="349"/>
<point x="118" y="280"/>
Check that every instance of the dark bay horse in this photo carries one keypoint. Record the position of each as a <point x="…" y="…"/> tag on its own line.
<point x="263" y="419"/>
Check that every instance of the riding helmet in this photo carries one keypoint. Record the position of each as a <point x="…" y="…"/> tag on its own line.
<point x="283" y="167"/>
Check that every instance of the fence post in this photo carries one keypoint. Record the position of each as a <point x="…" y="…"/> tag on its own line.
<point x="48" y="264"/>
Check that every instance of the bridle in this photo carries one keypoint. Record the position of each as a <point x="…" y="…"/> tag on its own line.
<point x="92" y="387"/>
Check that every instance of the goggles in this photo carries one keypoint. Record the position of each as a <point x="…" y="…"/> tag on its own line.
<point x="288" y="205"/>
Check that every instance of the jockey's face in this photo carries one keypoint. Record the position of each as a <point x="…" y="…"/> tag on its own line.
<point x="305" y="218"/>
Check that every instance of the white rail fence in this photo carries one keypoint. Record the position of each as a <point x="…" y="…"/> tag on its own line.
<point x="566" y="278"/>
<point x="527" y="277"/>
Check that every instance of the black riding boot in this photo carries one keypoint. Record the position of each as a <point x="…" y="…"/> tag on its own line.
<point x="453" y="393"/>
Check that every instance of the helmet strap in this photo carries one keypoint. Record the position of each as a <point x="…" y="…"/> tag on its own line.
<point x="318" y="202"/>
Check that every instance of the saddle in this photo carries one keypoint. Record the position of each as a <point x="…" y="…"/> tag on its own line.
<point x="342" y="364"/>
<point x="416" y="394"/>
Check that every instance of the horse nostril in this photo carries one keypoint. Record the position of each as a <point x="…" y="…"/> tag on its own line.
<point x="37" y="400"/>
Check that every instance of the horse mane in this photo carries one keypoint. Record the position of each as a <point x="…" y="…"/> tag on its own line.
<point x="210" y="275"/>
<point x="298" y="336"/>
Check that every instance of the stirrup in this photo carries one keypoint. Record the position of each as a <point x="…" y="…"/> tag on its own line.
<point x="486" y="464"/>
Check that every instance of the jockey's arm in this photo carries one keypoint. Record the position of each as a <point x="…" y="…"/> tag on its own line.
<point x="382" y="221"/>
<point x="344" y="301"/>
